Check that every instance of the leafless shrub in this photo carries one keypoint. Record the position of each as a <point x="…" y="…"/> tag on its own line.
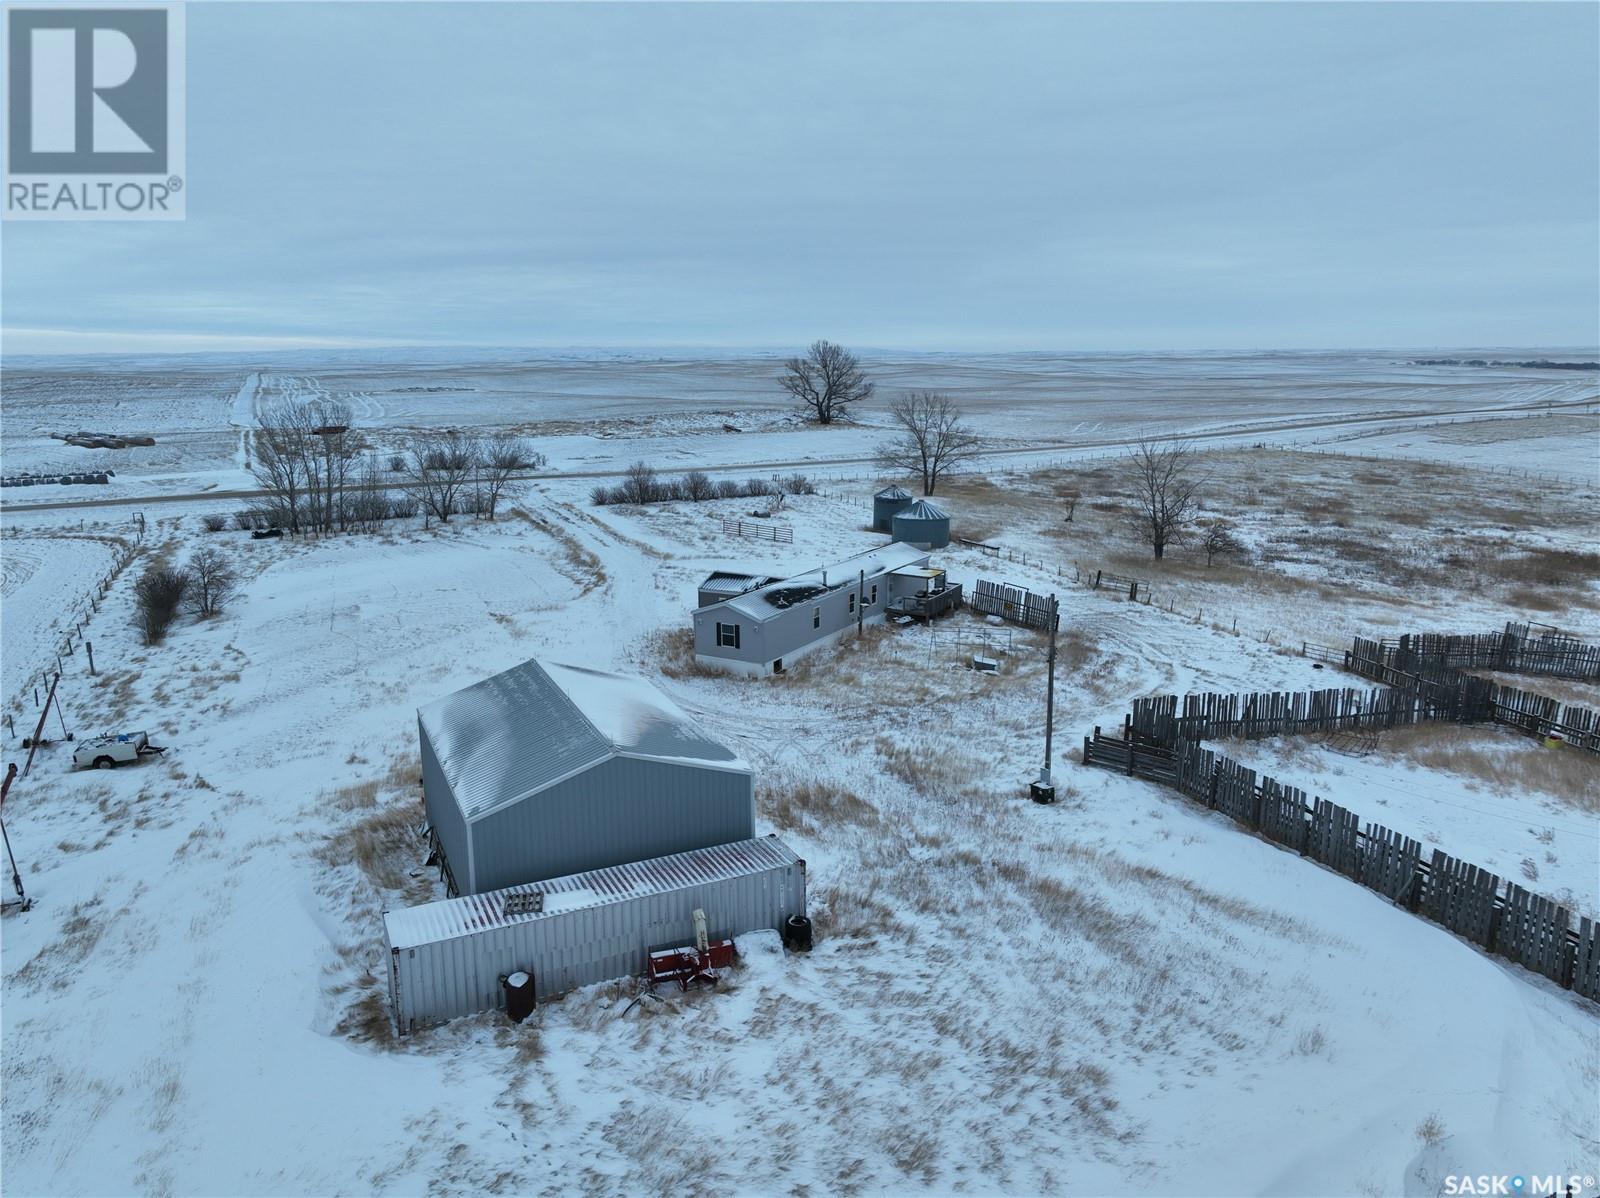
<point x="639" y="484"/>
<point x="212" y="581"/>
<point x="727" y="488"/>
<point x="698" y="487"/>
<point x="157" y="597"/>
<point x="215" y="521"/>
<point x="1217" y="538"/>
<point x="1431" y="1131"/>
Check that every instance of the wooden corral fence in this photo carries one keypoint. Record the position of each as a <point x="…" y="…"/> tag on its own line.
<point x="1517" y="650"/>
<point x="1404" y="665"/>
<point x="1278" y="713"/>
<point x="1011" y="603"/>
<point x="777" y="533"/>
<point x="1495" y="914"/>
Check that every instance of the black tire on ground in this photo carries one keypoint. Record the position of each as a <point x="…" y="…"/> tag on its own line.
<point x="797" y="934"/>
<point x="104" y="763"/>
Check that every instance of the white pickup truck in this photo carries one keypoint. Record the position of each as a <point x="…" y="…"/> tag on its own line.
<point x="113" y="749"/>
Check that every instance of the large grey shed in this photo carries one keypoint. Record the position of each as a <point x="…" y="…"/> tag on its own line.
<point x="923" y="525"/>
<point x="546" y="770"/>
<point x="886" y="503"/>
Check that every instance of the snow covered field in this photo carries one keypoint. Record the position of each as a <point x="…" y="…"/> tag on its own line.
<point x="597" y="413"/>
<point x="1118" y="994"/>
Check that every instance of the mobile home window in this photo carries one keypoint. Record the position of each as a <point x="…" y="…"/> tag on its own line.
<point x="728" y="636"/>
<point x="816" y="617"/>
<point x="873" y="602"/>
<point x="852" y="606"/>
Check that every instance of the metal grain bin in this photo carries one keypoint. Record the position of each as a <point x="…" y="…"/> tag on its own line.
<point x="923" y="525"/>
<point x="446" y="959"/>
<point x="886" y="503"/>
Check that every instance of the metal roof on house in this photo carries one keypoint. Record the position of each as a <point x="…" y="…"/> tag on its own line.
<point x="526" y="728"/>
<point x="874" y="562"/>
<point x="893" y="492"/>
<point x="449" y="918"/>
<point x="723" y="583"/>
<point x="922" y="510"/>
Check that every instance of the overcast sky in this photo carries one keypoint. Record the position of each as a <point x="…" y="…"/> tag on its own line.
<point x="1073" y="176"/>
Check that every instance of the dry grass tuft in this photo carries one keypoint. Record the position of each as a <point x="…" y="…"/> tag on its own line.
<point x="673" y="651"/>
<point x="367" y="1019"/>
<point x="1499" y="760"/>
<point x="802" y="805"/>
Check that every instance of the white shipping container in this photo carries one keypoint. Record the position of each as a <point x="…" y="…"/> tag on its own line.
<point x="446" y="958"/>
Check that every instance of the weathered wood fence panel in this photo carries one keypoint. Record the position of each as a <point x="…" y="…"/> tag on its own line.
<point x="1461" y="896"/>
<point x="1011" y="603"/>
<point x="1406" y="665"/>
<point x="1523" y="927"/>
<point x="1533" y="932"/>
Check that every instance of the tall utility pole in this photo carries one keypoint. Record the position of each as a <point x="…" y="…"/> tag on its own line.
<point x="22" y="900"/>
<point x="1044" y="790"/>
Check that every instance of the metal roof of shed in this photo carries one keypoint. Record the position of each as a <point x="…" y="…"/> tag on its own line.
<point x="449" y="918"/>
<point x="524" y="729"/>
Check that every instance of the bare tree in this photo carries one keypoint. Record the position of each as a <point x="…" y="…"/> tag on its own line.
<point x="211" y="582"/>
<point x="304" y="455"/>
<point x="1164" y="480"/>
<point x="499" y="457"/>
<point x="827" y="380"/>
<point x="439" y="466"/>
<point x="1217" y="538"/>
<point x="932" y="440"/>
<point x="281" y="463"/>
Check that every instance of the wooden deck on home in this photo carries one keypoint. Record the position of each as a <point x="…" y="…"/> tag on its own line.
<point x="929" y="607"/>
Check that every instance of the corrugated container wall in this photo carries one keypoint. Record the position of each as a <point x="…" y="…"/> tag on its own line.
<point x="447" y="958"/>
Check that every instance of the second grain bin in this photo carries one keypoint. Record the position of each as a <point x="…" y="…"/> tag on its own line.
<point x="922" y="524"/>
<point x="886" y="503"/>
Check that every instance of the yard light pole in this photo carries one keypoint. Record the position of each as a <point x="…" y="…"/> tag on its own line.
<point x="1044" y="790"/>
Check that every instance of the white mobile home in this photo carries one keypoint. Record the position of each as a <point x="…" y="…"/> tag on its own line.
<point x="773" y="625"/>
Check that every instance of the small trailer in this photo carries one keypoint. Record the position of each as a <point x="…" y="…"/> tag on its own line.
<point x="114" y="749"/>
